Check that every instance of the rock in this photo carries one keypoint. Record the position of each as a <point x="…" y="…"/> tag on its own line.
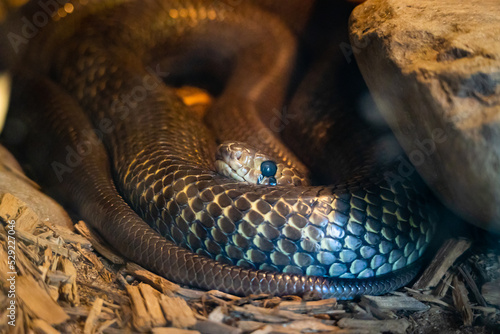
<point x="491" y="292"/>
<point x="433" y="68"/>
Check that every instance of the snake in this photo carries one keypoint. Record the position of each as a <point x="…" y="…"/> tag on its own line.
<point x="116" y="143"/>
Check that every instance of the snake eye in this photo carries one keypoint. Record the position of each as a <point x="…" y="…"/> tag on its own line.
<point x="268" y="168"/>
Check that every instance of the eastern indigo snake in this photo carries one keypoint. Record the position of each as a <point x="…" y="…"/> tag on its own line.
<point x="91" y="86"/>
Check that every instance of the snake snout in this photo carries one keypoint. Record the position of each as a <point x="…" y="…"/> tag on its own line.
<point x="243" y="163"/>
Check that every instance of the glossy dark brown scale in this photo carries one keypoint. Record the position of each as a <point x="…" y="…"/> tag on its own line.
<point x="161" y="156"/>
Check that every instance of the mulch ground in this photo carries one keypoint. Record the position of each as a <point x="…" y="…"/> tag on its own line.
<point x="62" y="284"/>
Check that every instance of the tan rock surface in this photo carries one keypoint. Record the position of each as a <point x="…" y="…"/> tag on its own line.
<point x="434" y="70"/>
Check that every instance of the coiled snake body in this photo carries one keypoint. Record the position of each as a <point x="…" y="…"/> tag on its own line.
<point x="93" y="89"/>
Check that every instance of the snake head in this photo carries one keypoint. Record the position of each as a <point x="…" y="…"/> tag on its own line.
<point x="245" y="163"/>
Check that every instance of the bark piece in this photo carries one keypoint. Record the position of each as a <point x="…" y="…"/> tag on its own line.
<point x="217" y="314"/>
<point x="55" y="247"/>
<point x="151" y="299"/>
<point x="390" y="326"/>
<point x="170" y="330"/>
<point x="41" y="327"/>
<point x="69" y="236"/>
<point x="471" y="284"/>
<point x="158" y="282"/>
<point x="38" y="301"/>
<point x="10" y="206"/>
<point x="426" y="298"/>
<point x="141" y="318"/>
<point x="69" y="289"/>
<point x="447" y="254"/>
<point x="310" y="326"/>
<point x="443" y="286"/>
<point x="93" y="317"/>
<point x="211" y="327"/>
<point x="269" y="315"/>
<point x="312" y="307"/>
<point x="177" y="312"/>
<point x="248" y="326"/>
<point x="461" y="301"/>
<point x="394" y="303"/>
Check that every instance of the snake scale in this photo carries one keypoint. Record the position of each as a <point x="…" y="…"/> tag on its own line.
<point x="138" y="165"/>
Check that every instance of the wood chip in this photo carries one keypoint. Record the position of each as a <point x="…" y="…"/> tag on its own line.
<point x="250" y="326"/>
<point x="426" y="298"/>
<point x="444" y="285"/>
<point x="377" y="313"/>
<point x="38" y="301"/>
<point x="392" y="326"/>
<point x="106" y="324"/>
<point x="10" y="206"/>
<point x="56" y="248"/>
<point x="307" y="325"/>
<point x="275" y="329"/>
<point x="117" y="296"/>
<point x="224" y="295"/>
<point x="69" y="289"/>
<point x="487" y="310"/>
<point x="141" y="319"/>
<point x="260" y="314"/>
<point x="151" y="301"/>
<point x="27" y="220"/>
<point x="471" y="284"/>
<point x="461" y="301"/>
<point x="42" y="327"/>
<point x="93" y="317"/>
<point x="77" y="311"/>
<point x="111" y="305"/>
<point x="218" y="314"/>
<point x="158" y="282"/>
<point x="211" y="327"/>
<point x="359" y="312"/>
<point x="312" y="307"/>
<point x="190" y="293"/>
<point x="69" y="236"/>
<point x="99" y="244"/>
<point x="177" y="312"/>
<point x="447" y="254"/>
<point x="170" y="330"/>
<point x="53" y="292"/>
<point x="394" y="303"/>
<point x="270" y="315"/>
